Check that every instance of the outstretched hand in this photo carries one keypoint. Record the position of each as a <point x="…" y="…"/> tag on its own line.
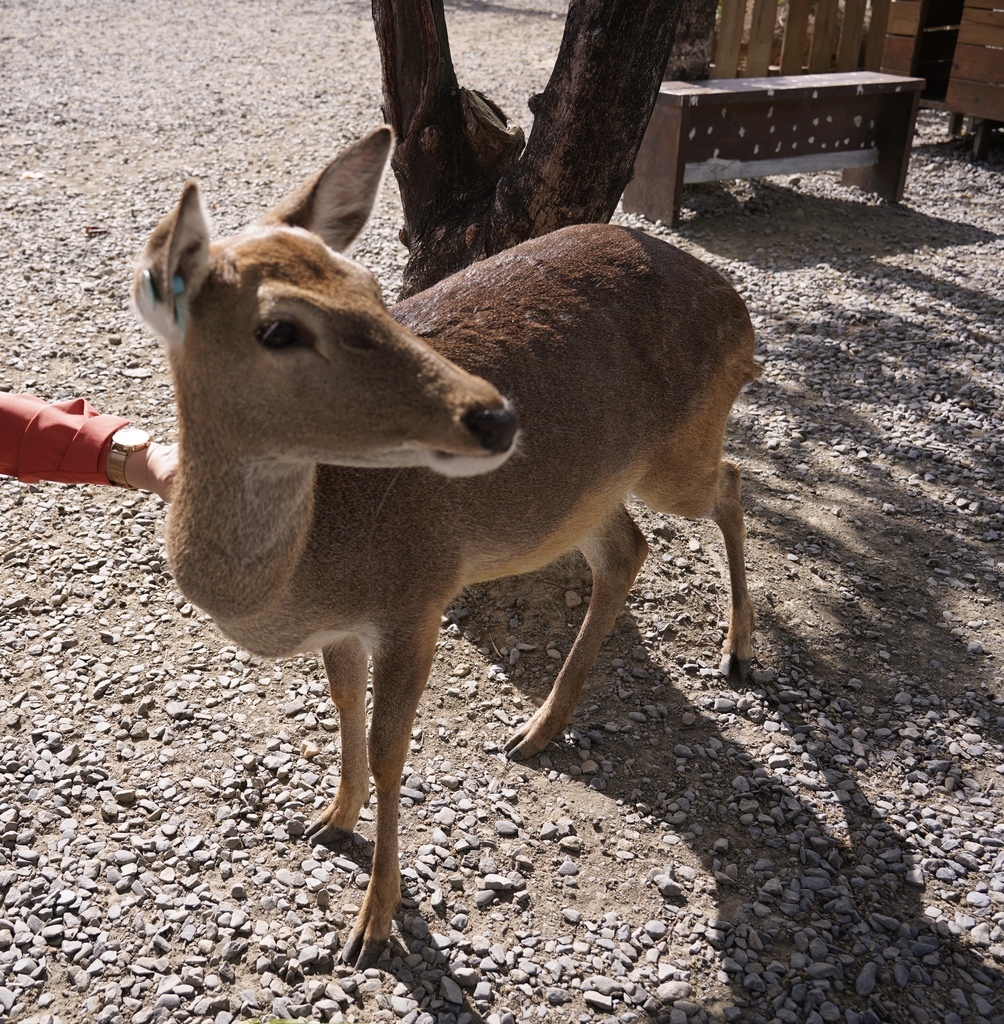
<point x="153" y="468"/>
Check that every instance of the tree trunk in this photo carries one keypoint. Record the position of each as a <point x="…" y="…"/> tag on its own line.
<point x="468" y="186"/>
<point x="690" y="59"/>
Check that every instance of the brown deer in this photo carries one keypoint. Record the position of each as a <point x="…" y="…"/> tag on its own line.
<point x="333" y="489"/>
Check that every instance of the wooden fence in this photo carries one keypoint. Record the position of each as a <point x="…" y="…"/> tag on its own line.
<point x="798" y="37"/>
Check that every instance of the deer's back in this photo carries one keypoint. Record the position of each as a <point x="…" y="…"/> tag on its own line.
<point x="608" y="342"/>
<point x="571" y="324"/>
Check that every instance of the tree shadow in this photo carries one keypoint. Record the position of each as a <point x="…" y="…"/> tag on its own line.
<point x="778" y="227"/>
<point x="488" y="7"/>
<point x="817" y="878"/>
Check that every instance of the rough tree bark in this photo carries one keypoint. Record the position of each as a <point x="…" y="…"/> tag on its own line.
<point x="690" y="58"/>
<point x="471" y="185"/>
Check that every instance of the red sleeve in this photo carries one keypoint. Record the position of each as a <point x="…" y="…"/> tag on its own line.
<point x="66" y="442"/>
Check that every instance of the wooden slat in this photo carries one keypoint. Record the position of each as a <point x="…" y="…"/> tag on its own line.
<point x="730" y="34"/>
<point x="898" y="55"/>
<point x="795" y="34"/>
<point x="904" y="17"/>
<point x="761" y="43"/>
<point x="983" y="16"/>
<point x="851" y="33"/>
<point x="824" y="37"/>
<point x="986" y="5"/>
<point x="979" y="64"/>
<point x="976" y="99"/>
<point x="786" y="88"/>
<point x="982" y="28"/>
<point x="877" y="29"/>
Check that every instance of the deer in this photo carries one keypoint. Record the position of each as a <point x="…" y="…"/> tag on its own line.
<point x="346" y="469"/>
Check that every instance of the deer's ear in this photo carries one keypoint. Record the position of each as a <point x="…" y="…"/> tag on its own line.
<point x="337" y="202"/>
<point x="173" y="267"/>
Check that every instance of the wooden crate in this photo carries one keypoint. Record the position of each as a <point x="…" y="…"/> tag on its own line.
<point x="976" y="86"/>
<point x="920" y="40"/>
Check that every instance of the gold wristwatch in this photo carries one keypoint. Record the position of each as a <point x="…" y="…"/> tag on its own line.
<point x="124" y="441"/>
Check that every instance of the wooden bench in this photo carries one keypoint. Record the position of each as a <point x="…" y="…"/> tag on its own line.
<point x="830" y="116"/>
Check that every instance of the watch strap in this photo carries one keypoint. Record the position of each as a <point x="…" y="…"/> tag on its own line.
<point x="124" y="441"/>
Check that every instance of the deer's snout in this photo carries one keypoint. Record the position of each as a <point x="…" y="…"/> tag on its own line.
<point x="493" y="429"/>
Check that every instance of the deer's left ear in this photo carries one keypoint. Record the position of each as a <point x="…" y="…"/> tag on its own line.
<point x="337" y="202"/>
<point x="173" y="267"/>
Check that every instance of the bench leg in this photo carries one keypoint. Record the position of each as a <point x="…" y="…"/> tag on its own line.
<point x="894" y="131"/>
<point x="656" y="189"/>
<point x="982" y="127"/>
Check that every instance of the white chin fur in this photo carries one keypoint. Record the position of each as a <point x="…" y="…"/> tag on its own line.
<point x="465" y="465"/>
<point x="443" y="463"/>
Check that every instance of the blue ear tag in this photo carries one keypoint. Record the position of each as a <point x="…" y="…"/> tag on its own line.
<point x="178" y="287"/>
<point x="151" y="288"/>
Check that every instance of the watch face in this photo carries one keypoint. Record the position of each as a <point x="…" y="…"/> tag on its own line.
<point x="131" y="437"/>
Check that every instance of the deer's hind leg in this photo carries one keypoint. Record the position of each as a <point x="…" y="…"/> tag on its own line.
<point x="345" y="663"/>
<point x="737" y="653"/>
<point x="697" y="483"/>
<point x="615" y="552"/>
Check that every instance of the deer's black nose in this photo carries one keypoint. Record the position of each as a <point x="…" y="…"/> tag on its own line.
<point x="494" y="429"/>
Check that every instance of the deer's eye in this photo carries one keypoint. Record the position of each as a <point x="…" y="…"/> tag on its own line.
<point x="280" y="334"/>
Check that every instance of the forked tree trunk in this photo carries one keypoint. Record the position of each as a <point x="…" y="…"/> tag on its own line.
<point x="690" y="58"/>
<point x="471" y="185"/>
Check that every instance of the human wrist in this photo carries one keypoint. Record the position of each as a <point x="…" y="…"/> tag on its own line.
<point x="136" y="467"/>
<point x="152" y="468"/>
<point x="126" y="442"/>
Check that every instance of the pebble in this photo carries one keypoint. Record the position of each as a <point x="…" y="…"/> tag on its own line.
<point x="864" y="984"/>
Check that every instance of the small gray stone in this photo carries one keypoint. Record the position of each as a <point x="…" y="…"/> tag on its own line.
<point x="670" y="991"/>
<point x="864" y="984"/>
<point x="600" y="983"/>
<point x="598" y="1001"/>
<point x="450" y="990"/>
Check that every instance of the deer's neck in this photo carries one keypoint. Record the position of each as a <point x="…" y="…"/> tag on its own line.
<point x="236" y="531"/>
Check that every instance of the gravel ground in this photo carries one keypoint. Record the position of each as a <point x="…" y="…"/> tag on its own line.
<point x="826" y="845"/>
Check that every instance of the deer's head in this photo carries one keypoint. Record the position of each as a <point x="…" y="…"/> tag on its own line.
<point x="282" y="348"/>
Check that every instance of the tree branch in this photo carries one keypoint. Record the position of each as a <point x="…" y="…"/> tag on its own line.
<point x="465" y="190"/>
<point x="452" y="143"/>
<point x="589" y="121"/>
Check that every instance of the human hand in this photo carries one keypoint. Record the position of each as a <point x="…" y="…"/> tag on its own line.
<point x="153" y="468"/>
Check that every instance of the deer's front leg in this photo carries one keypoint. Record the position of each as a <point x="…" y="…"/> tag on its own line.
<point x="400" y="672"/>
<point x="345" y="664"/>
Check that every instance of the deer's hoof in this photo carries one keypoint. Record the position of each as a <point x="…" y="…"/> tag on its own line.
<point x="524" y="744"/>
<point x="323" y="832"/>
<point x="514" y="750"/>
<point x="735" y="668"/>
<point x="362" y="954"/>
